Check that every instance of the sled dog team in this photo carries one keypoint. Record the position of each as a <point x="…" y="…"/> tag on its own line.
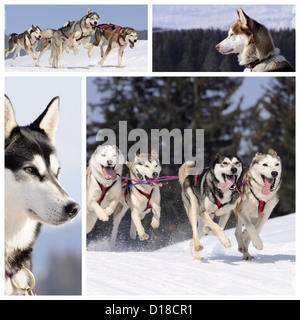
<point x="218" y="191"/>
<point x="70" y="35"/>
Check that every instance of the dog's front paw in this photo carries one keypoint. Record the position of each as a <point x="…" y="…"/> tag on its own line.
<point x="154" y="224"/>
<point x="144" y="236"/>
<point x="258" y="244"/>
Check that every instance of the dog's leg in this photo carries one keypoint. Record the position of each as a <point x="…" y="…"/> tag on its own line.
<point x="117" y="217"/>
<point x="89" y="47"/>
<point x="205" y="216"/>
<point x="45" y="46"/>
<point x="27" y="49"/>
<point x="102" y="51"/>
<point x="242" y="246"/>
<point x="250" y="233"/>
<point x="107" y="51"/>
<point x="138" y="224"/>
<point x="18" y="49"/>
<point x="121" y="51"/>
<point x="91" y="219"/>
<point x="132" y="230"/>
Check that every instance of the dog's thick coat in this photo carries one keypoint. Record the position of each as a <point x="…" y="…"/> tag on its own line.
<point x="140" y="198"/>
<point x="253" y="44"/>
<point x="213" y="192"/>
<point x="33" y="195"/>
<point x="104" y="186"/>
<point x="27" y="40"/>
<point x="259" y="196"/>
<point x="114" y="37"/>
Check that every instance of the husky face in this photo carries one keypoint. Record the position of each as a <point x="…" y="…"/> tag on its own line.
<point x="130" y="36"/>
<point x="32" y="171"/>
<point x="147" y="166"/>
<point x="108" y="161"/>
<point x="235" y="42"/>
<point x="266" y="170"/>
<point x="227" y="170"/>
<point x="92" y="20"/>
<point x="35" y="33"/>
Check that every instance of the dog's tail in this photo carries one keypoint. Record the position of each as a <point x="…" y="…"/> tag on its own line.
<point x="183" y="171"/>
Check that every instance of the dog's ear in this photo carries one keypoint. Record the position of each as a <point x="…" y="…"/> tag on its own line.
<point x="129" y="165"/>
<point x="48" y="120"/>
<point x="137" y="154"/>
<point x="218" y="155"/>
<point x="154" y="154"/>
<point x="89" y="11"/>
<point x="272" y="152"/>
<point x="10" y="121"/>
<point x="243" y="18"/>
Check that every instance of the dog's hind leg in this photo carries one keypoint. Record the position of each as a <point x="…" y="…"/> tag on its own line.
<point x="45" y="46"/>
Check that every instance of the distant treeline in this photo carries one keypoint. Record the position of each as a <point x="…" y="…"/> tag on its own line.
<point x="194" y="50"/>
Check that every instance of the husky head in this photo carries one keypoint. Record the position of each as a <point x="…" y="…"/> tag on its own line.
<point x="146" y="167"/>
<point x="107" y="161"/>
<point x="266" y="170"/>
<point x="35" y="33"/>
<point x="247" y="37"/>
<point x="32" y="170"/>
<point x="91" y="19"/>
<point x="227" y="170"/>
<point x="130" y="36"/>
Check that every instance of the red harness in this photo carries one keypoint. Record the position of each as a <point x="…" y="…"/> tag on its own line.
<point x="104" y="191"/>
<point x="148" y="196"/>
<point x="261" y="203"/>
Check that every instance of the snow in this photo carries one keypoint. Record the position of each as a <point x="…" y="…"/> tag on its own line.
<point x="134" y="60"/>
<point x="172" y="271"/>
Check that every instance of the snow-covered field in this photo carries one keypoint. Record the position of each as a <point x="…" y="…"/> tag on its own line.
<point x="134" y="60"/>
<point x="172" y="271"/>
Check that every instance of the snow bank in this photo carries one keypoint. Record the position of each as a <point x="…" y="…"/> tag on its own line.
<point x="134" y="60"/>
<point x="173" y="272"/>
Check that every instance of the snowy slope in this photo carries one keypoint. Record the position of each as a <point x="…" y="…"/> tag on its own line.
<point x="134" y="60"/>
<point x="173" y="272"/>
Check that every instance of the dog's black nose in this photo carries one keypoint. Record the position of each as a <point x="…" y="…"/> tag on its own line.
<point x="109" y="162"/>
<point x="72" y="209"/>
<point x="274" y="174"/>
<point x="155" y="175"/>
<point x="233" y="170"/>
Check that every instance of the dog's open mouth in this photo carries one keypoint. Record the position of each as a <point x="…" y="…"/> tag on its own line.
<point x="269" y="184"/>
<point x="131" y="44"/>
<point x="230" y="182"/>
<point x="152" y="182"/>
<point x="109" y="172"/>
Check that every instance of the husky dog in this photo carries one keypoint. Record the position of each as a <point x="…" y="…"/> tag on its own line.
<point x="253" y="42"/>
<point x="70" y="36"/>
<point x="140" y="198"/>
<point x="26" y="41"/>
<point x="104" y="186"/>
<point x="258" y="199"/>
<point x="213" y="192"/>
<point x="33" y="195"/>
<point x="114" y="37"/>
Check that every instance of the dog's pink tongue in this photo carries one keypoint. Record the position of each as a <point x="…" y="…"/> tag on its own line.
<point x="267" y="186"/>
<point x="131" y="45"/>
<point x="109" y="173"/>
<point x="224" y="186"/>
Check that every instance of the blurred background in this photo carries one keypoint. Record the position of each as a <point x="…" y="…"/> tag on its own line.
<point x="239" y="115"/>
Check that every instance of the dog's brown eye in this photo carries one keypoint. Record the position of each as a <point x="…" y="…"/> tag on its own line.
<point x="265" y="165"/>
<point x="225" y="163"/>
<point x="277" y="164"/>
<point x="30" y="170"/>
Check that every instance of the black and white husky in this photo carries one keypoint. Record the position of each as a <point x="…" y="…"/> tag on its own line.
<point x="33" y="194"/>
<point x="213" y="192"/>
<point x="259" y="196"/>
<point x="141" y="198"/>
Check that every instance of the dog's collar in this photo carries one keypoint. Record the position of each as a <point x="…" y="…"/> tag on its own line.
<point x="261" y="203"/>
<point x="256" y="62"/>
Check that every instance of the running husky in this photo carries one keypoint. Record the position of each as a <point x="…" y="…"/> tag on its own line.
<point x="33" y="195"/>
<point x="114" y="36"/>
<point x="213" y="192"/>
<point x="140" y="198"/>
<point x="70" y="36"/>
<point x="253" y="42"/>
<point x="27" y="40"/>
<point x="104" y="186"/>
<point x="258" y="199"/>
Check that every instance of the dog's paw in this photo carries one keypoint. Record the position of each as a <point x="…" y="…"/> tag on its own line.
<point x="144" y="236"/>
<point x="226" y="242"/>
<point x="247" y="257"/>
<point x="154" y="224"/>
<point x="258" y="244"/>
<point x="103" y="217"/>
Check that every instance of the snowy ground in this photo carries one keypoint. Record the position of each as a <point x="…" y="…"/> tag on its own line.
<point x="134" y="60"/>
<point x="173" y="272"/>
